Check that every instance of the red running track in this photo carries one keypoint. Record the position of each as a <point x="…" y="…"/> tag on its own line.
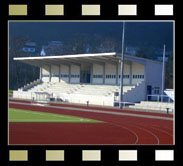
<point x="116" y="129"/>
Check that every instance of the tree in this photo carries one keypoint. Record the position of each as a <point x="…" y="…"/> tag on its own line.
<point x="77" y="43"/>
<point x="108" y="44"/>
<point x="169" y="73"/>
<point x="19" y="73"/>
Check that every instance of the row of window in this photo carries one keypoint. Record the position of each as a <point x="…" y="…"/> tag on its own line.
<point x="64" y="75"/>
<point x="114" y="76"/>
<point x="138" y="76"/>
<point x="55" y="75"/>
<point x="110" y="76"/>
<point x="46" y="75"/>
<point x="97" y="76"/>
<point x="25" y="49"/>
<point x="125" y="76"/>
<point x="75" y="75"/>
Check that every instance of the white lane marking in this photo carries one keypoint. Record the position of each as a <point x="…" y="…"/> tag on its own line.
<point x="47" y="120"/>
<point x="98" y="111"/>
<point x="162" y="131"/>
<point x="137" y="138"/>
<point x="150" y="133"/>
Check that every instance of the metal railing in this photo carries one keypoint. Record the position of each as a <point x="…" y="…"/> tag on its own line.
<point x="158" y="98"/>
<point x="125" y="103"/>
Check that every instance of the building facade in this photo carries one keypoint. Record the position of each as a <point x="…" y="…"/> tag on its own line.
<point x="101" y="69"/>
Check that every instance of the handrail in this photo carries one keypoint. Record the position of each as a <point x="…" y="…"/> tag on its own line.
<point x="159" y="97"/>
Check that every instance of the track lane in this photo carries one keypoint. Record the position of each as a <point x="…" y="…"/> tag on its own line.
<point x="140" y="127"/>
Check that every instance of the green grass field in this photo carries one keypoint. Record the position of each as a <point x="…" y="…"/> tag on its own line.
<point x="10" y="92"/>
<point x="19" y="115"/>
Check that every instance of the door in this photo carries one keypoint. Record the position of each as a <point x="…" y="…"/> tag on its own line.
<point x="88" y="78"/>
<point x="85" y="77"/>
<point x="149" y="91"/>
<point x="85" y="74"/>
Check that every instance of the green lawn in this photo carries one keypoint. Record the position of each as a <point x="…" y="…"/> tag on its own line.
<point x="10" y="92"/>
<point x="19" y="115"/>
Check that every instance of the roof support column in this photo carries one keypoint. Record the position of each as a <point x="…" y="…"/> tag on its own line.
<point x="91" y="76"/>
<point x="130" y="73"/>
<point x="116" y="73"/>
<point x="40" y="74"/>
<point x="50" y="73"/>
<point x="104" y="73"/>
<point x="59" y="72"/>
<point x="80" y="73"/>
<point x="69" y="73"/>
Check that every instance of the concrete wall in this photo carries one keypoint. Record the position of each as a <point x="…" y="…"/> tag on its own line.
<point x="75" y="74"/>
<point x="45" y="73"/>
<point x="54" y="73"/>
<point x="136" y="94"/>
<point x="64" y="71"/>
<point x="137" y="70"/>
<point x="154" y="74"/>
<point x="93" y="100"/>
<point x="110" y="69"/>
<point x="97" y="70"/>
<point x="23" y="95"/>
<point x="126" y="81"/>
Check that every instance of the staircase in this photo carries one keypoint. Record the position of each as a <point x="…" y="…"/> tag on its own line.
<point x="153" y="106"/>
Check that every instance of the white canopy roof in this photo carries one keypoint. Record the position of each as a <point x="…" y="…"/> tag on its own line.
<point x="78" y="59"/>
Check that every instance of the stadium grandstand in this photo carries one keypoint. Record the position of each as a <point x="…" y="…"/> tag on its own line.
<point x="92" y="78"/>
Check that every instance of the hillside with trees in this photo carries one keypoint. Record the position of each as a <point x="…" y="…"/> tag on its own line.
<point x="86" y="38"/>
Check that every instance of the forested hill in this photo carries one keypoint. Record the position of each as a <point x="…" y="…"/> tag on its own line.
<point x="153" y="34"/>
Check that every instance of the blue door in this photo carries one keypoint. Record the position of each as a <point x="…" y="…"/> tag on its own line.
<point x="149" y="91"/>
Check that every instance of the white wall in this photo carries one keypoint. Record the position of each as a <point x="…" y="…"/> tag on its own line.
<point x="137" y="69"/>
<point x="97" y="70"/>
<point x="154" y="74"/>
<point x="45" y="71"/>
<point x="136" y="94"/>
<point x="75" y="70"/>
<point x="93" y="100"/>
<point x="64" y="69"/>
<point x="110" y="70"/>
<point x="126" y="72"/>
<point x="54" y="71"/>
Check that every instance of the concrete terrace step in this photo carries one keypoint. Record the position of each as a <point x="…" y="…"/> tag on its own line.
<point x="145" y="105"/>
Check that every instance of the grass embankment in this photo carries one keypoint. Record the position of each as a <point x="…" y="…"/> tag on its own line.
<point x="19" y="115"/>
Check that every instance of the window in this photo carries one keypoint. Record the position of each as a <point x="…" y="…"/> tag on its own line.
<point x="125" y="76"/>
<point x="46" y="75"/>
<point x="157" y="90"/>
<point x="98" y="76"/>
<point x="31" y="50"/>
<point x="110" y="76"/>
<point x="74" y="75"/>
<point x="64" y="75"/>
<point x="138" y="76"/>
<point x="55" y="75"/>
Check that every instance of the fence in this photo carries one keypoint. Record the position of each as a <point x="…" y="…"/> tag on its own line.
<point x="124" y="103"/>
<point x="162" y="98"/>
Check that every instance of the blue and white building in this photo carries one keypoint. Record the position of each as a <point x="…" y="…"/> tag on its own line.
<point x="93" y="77"/>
